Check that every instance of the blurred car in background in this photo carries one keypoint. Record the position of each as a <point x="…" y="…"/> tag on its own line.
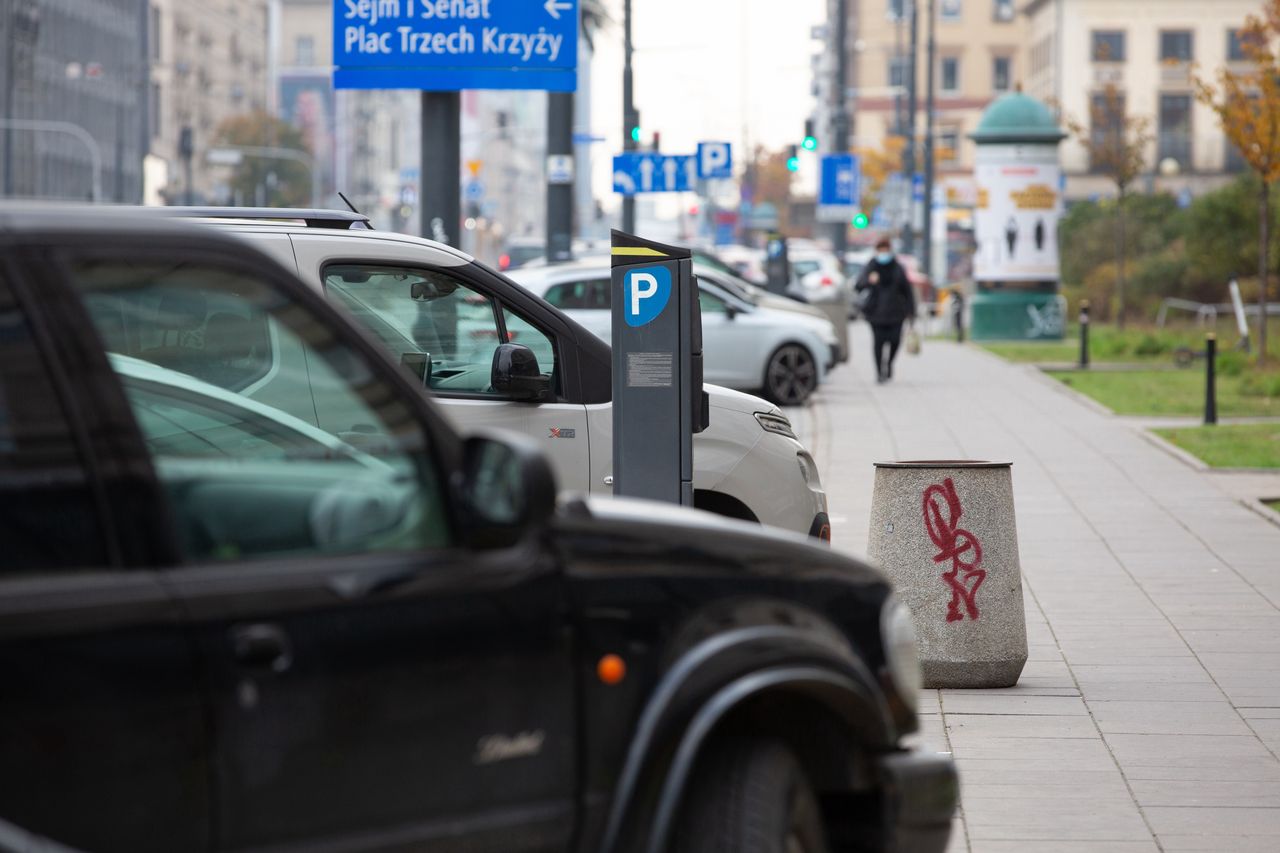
<point x="520" y="250"/>
<point x="746" y="345"/>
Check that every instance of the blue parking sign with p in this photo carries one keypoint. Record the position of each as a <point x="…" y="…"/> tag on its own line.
<point x="646" y="292"/>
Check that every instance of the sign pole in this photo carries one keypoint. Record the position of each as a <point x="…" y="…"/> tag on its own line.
<point x="840" y="231"/>
<point x="559" y="186"/>
<point x="931" y="51"/>
<point x="629" y="117"/>
<point x="440" y="180"/>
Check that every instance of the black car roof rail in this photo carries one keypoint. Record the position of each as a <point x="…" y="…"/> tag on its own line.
<point x="313" y="217"/>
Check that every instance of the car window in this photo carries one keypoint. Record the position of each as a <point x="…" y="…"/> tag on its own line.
<point x="521" y="331"/>
<point x="709" y="303"/>
<point x="316" y="455"/>
<point x="805" y="267"/>
<point x="47" y="514"/>
<point x="591" y="295"/>
<point x="426" y="311"/>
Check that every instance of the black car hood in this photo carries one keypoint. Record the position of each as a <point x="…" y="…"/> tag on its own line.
<point x="623" y="535"/>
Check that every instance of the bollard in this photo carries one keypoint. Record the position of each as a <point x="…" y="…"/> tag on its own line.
<point x="1210" y="379"/>
<point x="944" y="532"/>
<point x="958" y="298"/>
<point x="1084" y="334"/>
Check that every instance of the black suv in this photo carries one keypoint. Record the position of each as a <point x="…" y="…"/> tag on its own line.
<point x="318" y="619"/>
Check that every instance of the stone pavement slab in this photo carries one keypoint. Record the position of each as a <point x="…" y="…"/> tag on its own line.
<point x="1148" y="715"/>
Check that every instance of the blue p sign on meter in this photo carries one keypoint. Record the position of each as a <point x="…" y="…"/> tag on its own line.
<point x="646" y="292"/>
<point x="715" y="160"/>
<point x="448" y="45"/>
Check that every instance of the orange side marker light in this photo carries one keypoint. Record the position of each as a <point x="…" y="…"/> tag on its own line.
<point x="611" y="669"/>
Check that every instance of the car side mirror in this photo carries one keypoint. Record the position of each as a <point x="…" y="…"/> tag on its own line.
<point x="730" y="311"/>
<point x="508" y="490"/>
<point x="515" y="373"/>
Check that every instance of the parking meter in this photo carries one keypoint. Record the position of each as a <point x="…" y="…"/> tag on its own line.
<point x="658" y="401"/>
<point x="777" y="266"/>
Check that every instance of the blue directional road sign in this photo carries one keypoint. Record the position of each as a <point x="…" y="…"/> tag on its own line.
<point x="841" y="180"/>
<point x="650" y="172"/>
<point x="448" y="45"/>
<point x="715" y="160"/>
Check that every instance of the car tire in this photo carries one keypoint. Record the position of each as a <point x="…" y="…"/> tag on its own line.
<point x="749" y="796"/>
<point x="790" y="375"/>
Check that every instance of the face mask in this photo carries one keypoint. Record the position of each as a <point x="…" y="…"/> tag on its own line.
<point x="884" y="257"/>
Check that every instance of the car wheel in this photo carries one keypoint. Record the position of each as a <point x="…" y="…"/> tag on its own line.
<point x="790" y="375"/>
<point x="749" y="796"/>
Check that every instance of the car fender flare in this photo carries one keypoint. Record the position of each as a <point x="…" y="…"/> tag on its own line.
<point x="704" y="685"/>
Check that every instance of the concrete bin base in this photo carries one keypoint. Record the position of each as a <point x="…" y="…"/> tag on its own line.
<point x="945" y="534"/>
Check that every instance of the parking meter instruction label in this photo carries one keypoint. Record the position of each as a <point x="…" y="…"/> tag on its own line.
<point x="646" y="292"/>
<point x="650" y="369"/>
<point x="449" y="45"/>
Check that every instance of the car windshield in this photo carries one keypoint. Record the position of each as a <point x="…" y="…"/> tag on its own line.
<point x="804" y="267"/>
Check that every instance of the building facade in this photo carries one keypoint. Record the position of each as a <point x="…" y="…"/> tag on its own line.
<point x="73" y="81"/>
<point x="208" y="63"/>
<point x="1146" y="49"/>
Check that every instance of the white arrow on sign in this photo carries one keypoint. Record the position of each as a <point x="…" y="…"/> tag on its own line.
<point x="646" y="175"/>
<point x="554" y="8"/>
<point x="623" y="181"/>
<point x="669" y="172"/>
<point x="691" y="171"/>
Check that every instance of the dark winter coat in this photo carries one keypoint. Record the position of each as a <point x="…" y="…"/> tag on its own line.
<point x="891" y="298"/>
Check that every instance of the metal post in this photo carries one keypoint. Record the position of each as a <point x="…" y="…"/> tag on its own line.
<point x="630" y="118"/>
<point x="9" y="84"/>
<point x="913" y="105"/>
<point x="840" y="144"/>
<point x="441" y="166"/>
<point x="926" y="261"/>
<point x="1084" y="334"/>
<point x="559" y="193"/>
<point x="958" y="298"/>
<point x="1210" y="379"/>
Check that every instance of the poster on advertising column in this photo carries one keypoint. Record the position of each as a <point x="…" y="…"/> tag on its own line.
<point x="1016" y="222"/>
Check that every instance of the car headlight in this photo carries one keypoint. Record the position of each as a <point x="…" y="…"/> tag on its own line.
<point x="898" y="634"/>
<point x="775" y="423"/>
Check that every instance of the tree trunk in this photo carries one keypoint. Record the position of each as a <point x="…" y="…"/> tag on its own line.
<point x="1120" y="251"/>
<point x="1264" y="263"/>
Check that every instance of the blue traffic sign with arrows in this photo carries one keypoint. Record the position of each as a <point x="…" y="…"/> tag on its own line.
<point x="651" y="172"/>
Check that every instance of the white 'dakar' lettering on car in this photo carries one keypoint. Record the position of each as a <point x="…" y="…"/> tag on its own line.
<point x="493" y="748"/>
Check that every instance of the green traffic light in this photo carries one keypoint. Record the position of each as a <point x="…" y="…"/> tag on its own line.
<point x="793" y="164"/>
<point x="860" y="221"/>
<point x="635" y="133"/>
<point x="810" y="143"/>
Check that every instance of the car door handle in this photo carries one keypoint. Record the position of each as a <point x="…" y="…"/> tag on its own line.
<point x="262" y="647"/>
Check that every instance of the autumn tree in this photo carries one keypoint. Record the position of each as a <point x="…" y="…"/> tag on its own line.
<point x="1247" y="102"/>
<point x="282" y="182"/>
<point x="1117" y="147"/>
<point x="877" y="165"/>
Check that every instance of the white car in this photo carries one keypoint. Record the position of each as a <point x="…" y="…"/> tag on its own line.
<point x="819" y="274"/>
<point x="746" y="345"/>
<point x="443" y="315"/>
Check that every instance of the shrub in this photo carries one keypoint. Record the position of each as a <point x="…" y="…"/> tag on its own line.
<point x="1233" y="363"/>
<point x="1149" y="344"/>
<point x="1260" y="384"/>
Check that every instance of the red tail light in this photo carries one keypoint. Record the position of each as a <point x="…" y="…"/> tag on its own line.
<point x="504" y="262"/>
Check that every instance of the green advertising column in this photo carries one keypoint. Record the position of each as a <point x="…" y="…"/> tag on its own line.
<point x="1019" y="181"/>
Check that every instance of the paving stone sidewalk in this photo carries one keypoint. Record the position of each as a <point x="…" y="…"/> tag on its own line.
<point x="1148" y="715"/>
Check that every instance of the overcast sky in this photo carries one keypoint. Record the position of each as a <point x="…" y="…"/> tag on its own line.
<point x="707" y="70"/>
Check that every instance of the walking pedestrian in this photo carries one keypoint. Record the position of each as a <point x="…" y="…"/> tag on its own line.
<point x="887" y="301"/>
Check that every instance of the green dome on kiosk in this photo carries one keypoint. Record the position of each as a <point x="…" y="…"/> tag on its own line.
<point x="1017" y="117"/>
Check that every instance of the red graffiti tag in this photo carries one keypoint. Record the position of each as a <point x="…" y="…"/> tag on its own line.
<point x="942" y="513"/>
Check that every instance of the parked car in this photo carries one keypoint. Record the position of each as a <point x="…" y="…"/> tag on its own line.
<point x="193" y="661"/>
<point x="447" y="314"/>
<point x="819" y="274"/>
<point x="782" y="354"/>
<point x="520" y="250"/>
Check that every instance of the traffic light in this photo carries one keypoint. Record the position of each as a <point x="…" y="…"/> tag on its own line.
<point x="635" y="133"/>
<point x="860" y="220"/>
<point x="793" y="159"/>
<point x="810" y="141"/>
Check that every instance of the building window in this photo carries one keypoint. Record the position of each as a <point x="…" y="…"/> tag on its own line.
<point x="1108" y="46"/>
<point x="304" y="51"/>
<point x="897" y="9"/>
<point x="1175" y="129"/>
<point x="157" y="126"/>
<point x="951" y="10"/>
<point x="1235" y="162"/>
<point x="1235" y="46"/>
<point x="898" y="66"/>
<point x="1002" y="11"/>
<point x="154" y="34"/>
<point x="947" y="148"/>
<point x="1000" y="73"/>
<point x="1107" y="114"/>
<point x="1175" y="46"/>
<point x="950" y="82"/>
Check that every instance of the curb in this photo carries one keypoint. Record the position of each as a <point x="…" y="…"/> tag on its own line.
<point x="1185" y="457"/>
<point x="1080" y="397"/>
<point x="1262" y="510"/>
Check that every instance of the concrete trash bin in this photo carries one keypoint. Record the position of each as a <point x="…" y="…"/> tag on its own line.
<point x="944" y="532"/>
